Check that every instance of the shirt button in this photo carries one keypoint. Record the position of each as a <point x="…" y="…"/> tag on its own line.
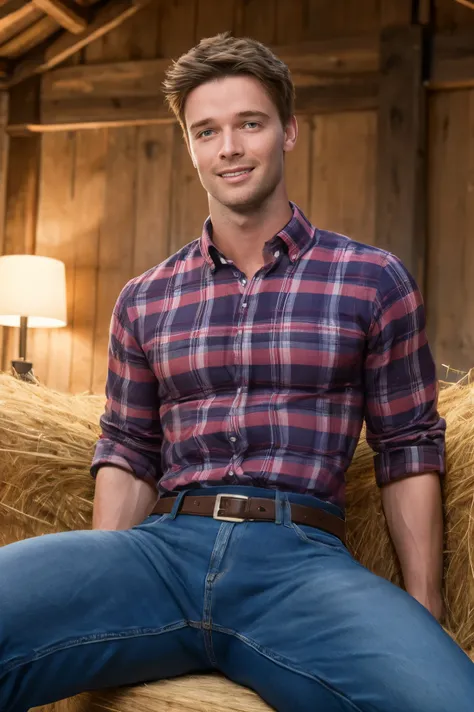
<point x="233" y="439"/>
<point x="276" y="254"/>
<point x="244" y="305"/>
<point x="243" y="281"/>
<point x="231" y="473"/>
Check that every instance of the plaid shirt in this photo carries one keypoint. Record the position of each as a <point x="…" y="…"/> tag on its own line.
<point x="218" y="379"/>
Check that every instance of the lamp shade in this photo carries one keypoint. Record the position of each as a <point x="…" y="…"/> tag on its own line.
<point x="34" y="287"/>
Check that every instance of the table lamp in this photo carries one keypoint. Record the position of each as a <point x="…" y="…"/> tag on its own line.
<point x="32" y="295"/>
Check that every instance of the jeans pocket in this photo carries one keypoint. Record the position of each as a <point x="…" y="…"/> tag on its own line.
<point x="317" y="537"/>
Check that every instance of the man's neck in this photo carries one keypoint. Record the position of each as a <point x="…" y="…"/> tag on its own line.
<point x="241" y="237"/>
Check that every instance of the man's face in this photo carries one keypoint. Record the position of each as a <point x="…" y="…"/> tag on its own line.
<point x="237" y="141"/>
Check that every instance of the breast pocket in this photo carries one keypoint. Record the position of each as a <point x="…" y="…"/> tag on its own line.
<point x="188" y="365"/>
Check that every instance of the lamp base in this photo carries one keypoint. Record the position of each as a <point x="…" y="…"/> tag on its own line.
<point x="24" y="369"/>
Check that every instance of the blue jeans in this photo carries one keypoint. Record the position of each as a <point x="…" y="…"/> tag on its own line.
<point x="280" y="608"/>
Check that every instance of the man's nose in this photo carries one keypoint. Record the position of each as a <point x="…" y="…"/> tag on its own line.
<point x="231" y="145"/>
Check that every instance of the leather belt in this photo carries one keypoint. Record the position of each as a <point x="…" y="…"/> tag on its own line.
<point x="238" y="508"/>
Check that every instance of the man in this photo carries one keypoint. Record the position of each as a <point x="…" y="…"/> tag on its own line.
<point x="240" y="372"/>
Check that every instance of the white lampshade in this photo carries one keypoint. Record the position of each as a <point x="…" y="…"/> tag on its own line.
<point x="35" y="287"/>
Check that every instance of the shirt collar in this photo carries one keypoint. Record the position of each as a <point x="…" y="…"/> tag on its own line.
<point x="297" y="235"/>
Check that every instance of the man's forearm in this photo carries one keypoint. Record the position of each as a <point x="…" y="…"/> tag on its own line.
<point x="121" y="500"/>
<point x="414" y="513"/>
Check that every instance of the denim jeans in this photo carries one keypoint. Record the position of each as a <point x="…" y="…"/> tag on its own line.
<point x="280" y="608"/>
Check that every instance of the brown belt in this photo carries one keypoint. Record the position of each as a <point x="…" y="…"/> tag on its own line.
<point x="238" y="508"/>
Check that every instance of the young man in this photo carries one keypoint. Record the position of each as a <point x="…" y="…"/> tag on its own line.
<point x="240" y="373"/>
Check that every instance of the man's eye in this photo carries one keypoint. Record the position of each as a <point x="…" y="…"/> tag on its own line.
<point x="205" y="133"/>
<point x="251" y="124"/>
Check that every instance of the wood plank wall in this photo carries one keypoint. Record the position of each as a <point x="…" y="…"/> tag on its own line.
<point x="114" y="202"/>
<point x="450" y="268"/>
<point x="449" y="287"/>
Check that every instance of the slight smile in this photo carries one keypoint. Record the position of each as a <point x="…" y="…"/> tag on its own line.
<point x="236" y="176"/>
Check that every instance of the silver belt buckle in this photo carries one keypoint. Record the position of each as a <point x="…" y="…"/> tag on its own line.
<point x="217" y="507"/>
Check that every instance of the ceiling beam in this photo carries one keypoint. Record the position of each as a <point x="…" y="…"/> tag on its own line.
<point x="107" y="18"/>
<point x="18" y="17"/>
<point x="64" y="16"/>
<point x="7" y="9"/>
<point x="467" y="3"/>
<point x="29" y="38"/>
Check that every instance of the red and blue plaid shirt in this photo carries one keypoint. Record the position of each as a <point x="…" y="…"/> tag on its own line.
<point x="215" y="378"/>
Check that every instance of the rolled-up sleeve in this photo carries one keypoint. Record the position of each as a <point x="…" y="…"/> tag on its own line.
<point x="131" y="434"/>
<point x="401" y="388"/>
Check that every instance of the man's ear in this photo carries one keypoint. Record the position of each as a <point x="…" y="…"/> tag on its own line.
<point x="291" y="134"/>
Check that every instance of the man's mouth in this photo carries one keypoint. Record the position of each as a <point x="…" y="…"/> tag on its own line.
<point x="234" y="175"/>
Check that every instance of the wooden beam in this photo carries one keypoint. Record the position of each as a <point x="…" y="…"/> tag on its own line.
<point x="29" y="38"/>
<point x="9" y="9"/>
<point x="151" y="111"/>
<point x="401" y="148"/>
<point x="106" y="19"/>
<point x="64" y="16"/>
<point x="329" y="76"/>
<point x="18" y="21"/>
<point x="452" y="64"/>
<point x="25" y="102"/>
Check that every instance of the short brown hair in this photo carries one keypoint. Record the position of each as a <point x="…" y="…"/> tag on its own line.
<point x="222" y="56"/>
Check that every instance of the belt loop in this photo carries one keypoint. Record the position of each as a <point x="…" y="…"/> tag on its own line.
<point x="279" y="506"/>
<point x="177" y="504"/>
<point x="286" y="510"/>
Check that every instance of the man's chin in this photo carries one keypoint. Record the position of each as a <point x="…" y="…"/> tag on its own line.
<point x="242" y="203"/>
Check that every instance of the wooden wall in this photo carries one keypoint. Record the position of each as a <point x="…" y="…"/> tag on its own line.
<point x="450" y="268"/>
<point x="113" y="202"/>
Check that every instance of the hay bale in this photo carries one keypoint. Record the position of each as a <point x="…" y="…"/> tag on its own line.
<point x="46" y="446"/>
<point x="190" y="693"/>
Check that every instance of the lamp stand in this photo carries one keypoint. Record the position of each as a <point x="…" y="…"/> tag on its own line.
<point x="23" y="367"/>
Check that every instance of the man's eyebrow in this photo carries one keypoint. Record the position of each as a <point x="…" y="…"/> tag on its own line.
<point x="247" y="114"/>
<point x="241" y="115"/>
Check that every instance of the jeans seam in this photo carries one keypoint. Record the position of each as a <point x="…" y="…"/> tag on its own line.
<point x="220" y="545"/>
<point x="90" y="639"/>
<point x="283" y="662"/>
